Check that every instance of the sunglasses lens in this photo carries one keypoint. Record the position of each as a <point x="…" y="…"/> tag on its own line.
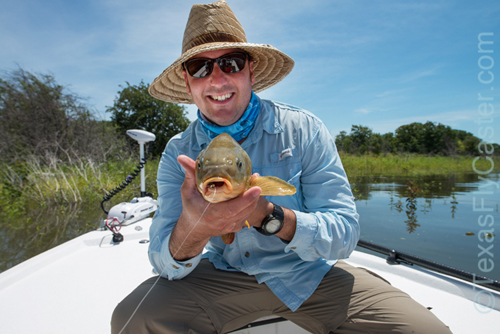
<point x="232" y="63"/>
<point x="199" y="68"/>
<point x="202" y="67"/>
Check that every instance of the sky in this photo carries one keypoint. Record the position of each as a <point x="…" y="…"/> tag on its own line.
<point x="380" y="64"/>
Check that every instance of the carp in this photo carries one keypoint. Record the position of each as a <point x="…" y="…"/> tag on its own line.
<point x="224" y="171"/>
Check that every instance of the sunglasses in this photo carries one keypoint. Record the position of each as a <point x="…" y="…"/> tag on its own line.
<point x="228" y="63"/>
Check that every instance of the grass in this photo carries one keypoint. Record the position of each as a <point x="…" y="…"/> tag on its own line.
<point x="45" y="204"/>
<point x="408" y="164"/>
<point x="28" y="187"/>
<point x="54" y="183"/>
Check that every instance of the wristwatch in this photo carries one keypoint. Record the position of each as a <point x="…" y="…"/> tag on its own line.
<point x="273" y="223"/>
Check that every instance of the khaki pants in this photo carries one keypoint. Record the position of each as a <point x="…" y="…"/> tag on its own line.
<point x="349" y="300"/>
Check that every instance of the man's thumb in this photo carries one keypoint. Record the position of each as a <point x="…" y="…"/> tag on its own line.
<point x="188" y="164"/>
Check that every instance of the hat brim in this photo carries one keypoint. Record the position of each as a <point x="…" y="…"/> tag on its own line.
<point x="270" y="67"/>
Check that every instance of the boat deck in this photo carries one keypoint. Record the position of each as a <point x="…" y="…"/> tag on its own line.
<point x="74" y="288"/>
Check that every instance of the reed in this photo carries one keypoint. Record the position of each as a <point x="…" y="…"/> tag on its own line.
<point x="44" y="203"/>
<point x="28" y="186"/>
<point x="53" y="183"/>
<point x="411" y="164"/>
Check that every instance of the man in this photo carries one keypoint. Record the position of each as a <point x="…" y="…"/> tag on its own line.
<point x="291" y="269"/>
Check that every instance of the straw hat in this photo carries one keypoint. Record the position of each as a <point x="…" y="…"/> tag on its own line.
<point x="215" y="27"/>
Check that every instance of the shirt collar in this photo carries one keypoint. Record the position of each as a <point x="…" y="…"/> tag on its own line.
<point x="266" y="121"/>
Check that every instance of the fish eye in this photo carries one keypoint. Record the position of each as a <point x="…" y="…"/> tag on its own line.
<point x="199" y="165"/>
<point x="239" y="163"/>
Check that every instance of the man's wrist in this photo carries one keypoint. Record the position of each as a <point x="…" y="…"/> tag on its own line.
<point x="183" y="248"/>
<point x="263" y="209"/>
<point x="289" y="227"/>
<point x="268" y="211"/>
<point x="272" y="223"/>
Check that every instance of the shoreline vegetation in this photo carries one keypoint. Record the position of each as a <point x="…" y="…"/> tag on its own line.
<point x="31" y="185"/>
<point x="45" y="204"/>
<point x="58" y="157"/>
<point x="413" y="164"/>
<point x="56" y="153"/>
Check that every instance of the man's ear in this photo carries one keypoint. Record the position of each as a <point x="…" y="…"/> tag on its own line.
<point x="250" y="67"/>
<point x="188" y="90"/>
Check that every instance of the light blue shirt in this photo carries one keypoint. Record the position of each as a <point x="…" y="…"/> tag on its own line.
<point x="293" y="145"/>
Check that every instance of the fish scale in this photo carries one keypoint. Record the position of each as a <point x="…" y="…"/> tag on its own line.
<point x="231" y="176"/>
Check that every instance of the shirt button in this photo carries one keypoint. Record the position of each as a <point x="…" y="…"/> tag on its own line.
<point x="293" y="247"/>
<point x="175" y="267"/>
<point x="247" y="254"/>
<point x="188" y="265"/>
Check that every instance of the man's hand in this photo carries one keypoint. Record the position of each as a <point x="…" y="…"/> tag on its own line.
<point x="264" y="208"/>
<point x="201" y="220"/>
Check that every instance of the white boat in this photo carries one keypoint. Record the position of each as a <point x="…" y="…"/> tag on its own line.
<point x="74" y="287"/>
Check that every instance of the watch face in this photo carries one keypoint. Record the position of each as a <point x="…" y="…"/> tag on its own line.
<point x="273" y="226"/>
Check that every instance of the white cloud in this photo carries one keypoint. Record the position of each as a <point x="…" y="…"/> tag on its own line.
<point x="419" y="73"/>
<point x="370" y="59"/>
<point x="391" y="93"/>
<point x="363" y="111"/>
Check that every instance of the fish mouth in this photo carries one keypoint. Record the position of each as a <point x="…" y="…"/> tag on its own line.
<point x="217" y="185"/>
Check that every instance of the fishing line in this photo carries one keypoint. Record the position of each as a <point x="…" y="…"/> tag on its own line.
<point x="160" y="275"/>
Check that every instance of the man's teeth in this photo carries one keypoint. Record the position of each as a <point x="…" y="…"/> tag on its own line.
<point x="221" y="97"/>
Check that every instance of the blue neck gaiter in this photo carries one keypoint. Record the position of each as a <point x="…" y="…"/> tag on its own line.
<point x="238" y="130"/>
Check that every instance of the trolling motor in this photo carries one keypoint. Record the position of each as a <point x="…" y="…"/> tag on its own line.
<point x="138" y="208"/>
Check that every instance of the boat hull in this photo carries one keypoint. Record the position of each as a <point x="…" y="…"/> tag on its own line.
<point x="75" y="287"/>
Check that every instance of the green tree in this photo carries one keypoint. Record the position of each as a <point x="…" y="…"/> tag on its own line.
<point x="39" y="117"/>
<point x="134" y="108"/>
<point x="376" y="143"/>
<point x="389" y="143"/>
<point x="361" y="137"/>
<point x="428" y="138"/>
<point x="432" y="138"/>
<point x="469" y="144"/>
<point x="438" y="139"/>
<point x="410" y="138"/>
<point x="343" y="142"/>
<point x="361" y="140"/>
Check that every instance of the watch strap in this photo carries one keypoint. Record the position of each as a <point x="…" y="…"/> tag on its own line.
<point x="278" y="214"/>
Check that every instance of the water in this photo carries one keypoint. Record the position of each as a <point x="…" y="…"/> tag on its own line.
<point x="432" y="218"/>
<point x="436" y="223"/>
<point x="45" y="228"/>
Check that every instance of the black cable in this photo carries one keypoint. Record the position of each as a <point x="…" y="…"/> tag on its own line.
<point x="127" y="181"/>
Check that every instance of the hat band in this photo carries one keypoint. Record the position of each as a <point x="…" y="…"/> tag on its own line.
<point x="211" y="37"/>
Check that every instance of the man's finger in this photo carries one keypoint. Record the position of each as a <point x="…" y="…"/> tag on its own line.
<point x="189" y="189"/>
<point x="252" y="193"/>
<point x="248" y="201"/>
<point x="188" y="164"/>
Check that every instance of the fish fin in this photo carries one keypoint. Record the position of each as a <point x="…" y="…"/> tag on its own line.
<point x="272" y="186"/>
<point x="228" y="238"/>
